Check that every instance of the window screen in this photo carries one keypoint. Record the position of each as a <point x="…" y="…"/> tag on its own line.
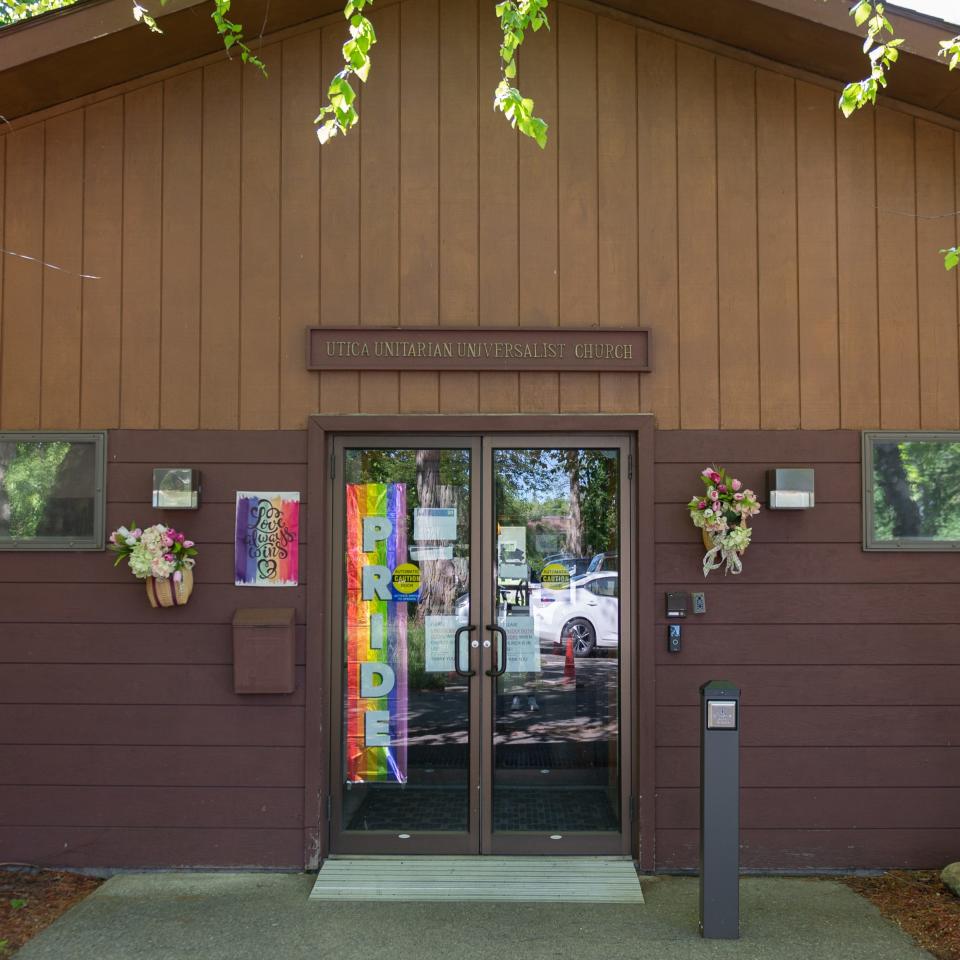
<point x="52" y="491"/>
<point x="911" y="491"/>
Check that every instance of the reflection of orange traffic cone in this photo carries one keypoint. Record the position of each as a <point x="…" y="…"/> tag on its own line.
<point x="569" y="666"/>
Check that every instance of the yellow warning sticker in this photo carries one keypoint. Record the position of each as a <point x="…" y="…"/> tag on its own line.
<point x="406" y="578"/>
<point x="555" y="576"/>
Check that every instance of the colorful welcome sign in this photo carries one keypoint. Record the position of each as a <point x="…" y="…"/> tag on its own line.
<point x="376" y="628"/>
<point x="267" y="542"/>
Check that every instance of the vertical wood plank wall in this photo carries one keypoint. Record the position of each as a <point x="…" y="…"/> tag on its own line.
<point x="785" y="259"/>
<point x="166" y="245"/>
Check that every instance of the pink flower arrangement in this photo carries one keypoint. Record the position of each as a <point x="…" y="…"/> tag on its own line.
<point x="158" y="551"/>
<point x="722" y="514"/>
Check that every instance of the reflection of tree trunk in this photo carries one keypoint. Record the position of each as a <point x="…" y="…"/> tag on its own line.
<point x="888" y="467"/>
<point x="68" y="510"/>
<point x="575" y="534"/>
<point x="437" y="577"/>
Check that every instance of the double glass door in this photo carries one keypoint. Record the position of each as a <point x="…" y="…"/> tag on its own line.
<point x="481" y="645"/>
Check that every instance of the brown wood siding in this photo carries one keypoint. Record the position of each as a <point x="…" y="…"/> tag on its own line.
<point x="847" y="662"/>
<point x="121" y="740"/>
<point x="784" y="258"/>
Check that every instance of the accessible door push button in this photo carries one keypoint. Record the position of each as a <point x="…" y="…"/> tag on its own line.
<point x="721" y="714"/>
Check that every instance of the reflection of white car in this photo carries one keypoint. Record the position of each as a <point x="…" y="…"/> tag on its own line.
<point x="587" y="612"/>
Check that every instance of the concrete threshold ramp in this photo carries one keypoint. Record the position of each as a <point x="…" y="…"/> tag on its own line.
<point x="533" y="879"/>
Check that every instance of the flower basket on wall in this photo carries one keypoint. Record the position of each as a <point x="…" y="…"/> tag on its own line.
<point x="708" y="538"/>
<point x="722" y="515"/>
<point x="160" y="556"/>
<point x="168" y="593"/>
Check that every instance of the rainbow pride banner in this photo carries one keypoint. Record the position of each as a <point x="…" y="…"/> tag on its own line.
<point x="267" y="541"/>
<point x="376" y="633"/>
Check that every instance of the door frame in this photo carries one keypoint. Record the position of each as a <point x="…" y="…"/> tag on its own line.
<point x="320" y="634"/>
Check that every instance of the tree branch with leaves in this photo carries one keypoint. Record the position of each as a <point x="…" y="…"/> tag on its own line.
<point x="515" y="19"/>
<point x="232" y="33"/>
<point x="339" y="114"/>
<point x="883" y="54"/>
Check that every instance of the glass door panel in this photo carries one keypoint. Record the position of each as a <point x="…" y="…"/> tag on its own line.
<point x="407" y="762"/>
<point x="480" y="713"/>
<point x="556" y="667"/>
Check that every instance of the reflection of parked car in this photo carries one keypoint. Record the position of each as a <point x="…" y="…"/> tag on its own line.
<point x="604" y="563"/>
<point x="588" y="613"/>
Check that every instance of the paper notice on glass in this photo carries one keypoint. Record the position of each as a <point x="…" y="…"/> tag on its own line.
<point x="523" y="648"/>
<point x="435" y="523"/>
<point x="438" y="643"/>
<point x="512" y="553"/>
<point x="419" y="554"/>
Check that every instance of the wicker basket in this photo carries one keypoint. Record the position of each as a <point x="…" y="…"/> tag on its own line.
<point x="166" y="593"/>
<point x="708" y="537"/>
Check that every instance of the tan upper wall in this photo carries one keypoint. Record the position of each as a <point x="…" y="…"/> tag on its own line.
<point x="785" y="259"/>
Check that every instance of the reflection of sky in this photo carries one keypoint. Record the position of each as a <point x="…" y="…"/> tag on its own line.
<point x="537" y="484"/>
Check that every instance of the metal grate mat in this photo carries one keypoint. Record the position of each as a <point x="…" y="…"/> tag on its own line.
<point x="531" y="879"/>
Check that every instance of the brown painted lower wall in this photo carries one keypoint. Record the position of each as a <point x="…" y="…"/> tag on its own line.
<point x="848" y="662"/>
<point x="123" y="745"/>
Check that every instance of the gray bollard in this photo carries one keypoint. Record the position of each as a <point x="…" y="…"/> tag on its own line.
<point x="720" y="810"/>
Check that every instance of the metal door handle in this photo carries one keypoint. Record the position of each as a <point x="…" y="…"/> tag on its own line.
<point x="456" y="651"/>
<point x="502" y="634"/>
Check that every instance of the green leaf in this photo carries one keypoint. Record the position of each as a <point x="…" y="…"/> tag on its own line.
<point x="861" y="12"/>
<point x="340" y="93"/>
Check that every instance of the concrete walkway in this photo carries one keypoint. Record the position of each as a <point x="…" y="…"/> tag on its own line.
<point x="169" y="916"/>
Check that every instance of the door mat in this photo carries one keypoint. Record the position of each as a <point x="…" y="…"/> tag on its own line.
<point x="517" y="879"/>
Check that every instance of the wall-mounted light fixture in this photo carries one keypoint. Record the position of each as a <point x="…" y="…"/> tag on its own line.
<point x="790" y="488"/>
<point x="176" y="488"/>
